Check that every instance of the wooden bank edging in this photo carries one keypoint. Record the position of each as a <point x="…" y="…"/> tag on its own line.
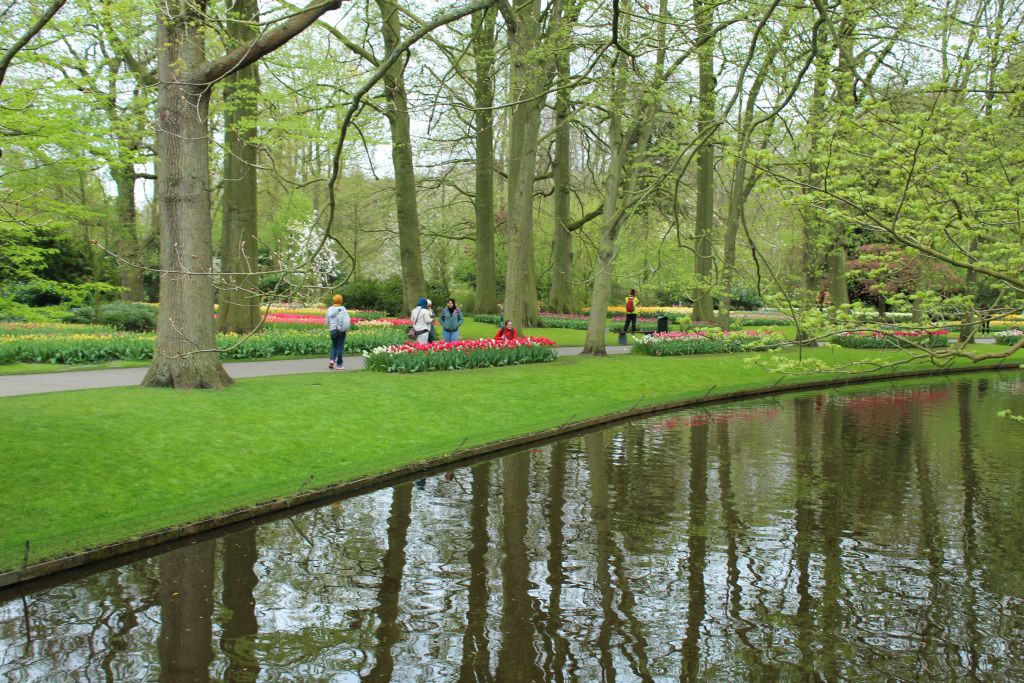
<point x="12" y="578"/>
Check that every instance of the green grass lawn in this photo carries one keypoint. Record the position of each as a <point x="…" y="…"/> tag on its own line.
<point x="87" y="468"/>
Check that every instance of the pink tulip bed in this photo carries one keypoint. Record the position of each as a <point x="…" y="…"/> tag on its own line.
<point x="460" y="355"/>
<point x="358" y="321"/>
<point x="892" y="339"/>
<point x="704" y="340"/>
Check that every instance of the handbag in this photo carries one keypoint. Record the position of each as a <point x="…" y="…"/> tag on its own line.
<point x="411" y="333"/>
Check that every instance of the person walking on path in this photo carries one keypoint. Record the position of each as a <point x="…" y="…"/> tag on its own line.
<point x="338" y="322"/>
<point x="422" y="321"/>
<point x="506" y="331"/>
<point x="451" y="321"/>
<point x="632" y="304"/>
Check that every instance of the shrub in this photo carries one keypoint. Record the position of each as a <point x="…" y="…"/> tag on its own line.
<point x="379" y="295"/>
<point x="487" y="318"/>
<point x="124" y="315"/>
<point x="460" y="355"/>
<point x="746" y="298"/>
<point x="12" y="311"/>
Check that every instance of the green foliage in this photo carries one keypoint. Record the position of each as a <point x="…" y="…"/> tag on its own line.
<point x="745" y="297"/>
<point x="122" y="315"/>
<point x="12" y="311"/>
<point x="376" y="295"/>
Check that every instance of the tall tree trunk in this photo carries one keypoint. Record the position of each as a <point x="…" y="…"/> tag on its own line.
<point x="526" y="88"/>
<point x="483" y="53"/>
<point x="611" y="221"/>
<point x="414" y="284"/>
<point x="239" y="309"/>
<point x="185" y="354"/>
<point x="740" y="189"/>
<point x="813" y="230"/>
<point x="560" y="295"/>
<point x="128" y="244"/>
<point x="703" y="302"/>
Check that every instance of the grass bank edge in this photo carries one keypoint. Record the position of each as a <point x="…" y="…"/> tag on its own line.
<point x="132" y="478"/>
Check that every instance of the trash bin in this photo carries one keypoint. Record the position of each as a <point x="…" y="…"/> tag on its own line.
<point x="662" y="323"/>
<point x="622" y="339"/>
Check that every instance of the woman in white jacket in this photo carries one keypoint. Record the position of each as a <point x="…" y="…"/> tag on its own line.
<point x="422" y="320"/>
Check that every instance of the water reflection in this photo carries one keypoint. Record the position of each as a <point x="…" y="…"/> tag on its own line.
<point x="839" y="535"/>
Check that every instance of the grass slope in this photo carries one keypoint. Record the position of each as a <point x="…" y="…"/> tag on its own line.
<point x="87" y="468"/>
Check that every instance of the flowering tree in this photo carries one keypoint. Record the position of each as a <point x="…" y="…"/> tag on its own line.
<point x="309" y="260"/>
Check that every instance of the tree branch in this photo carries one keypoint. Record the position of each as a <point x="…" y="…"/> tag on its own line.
<point x="28" y="35"/>
<point x="244" y="55"/>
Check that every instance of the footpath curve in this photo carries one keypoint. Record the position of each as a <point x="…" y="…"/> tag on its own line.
<point x="72" y="380"/>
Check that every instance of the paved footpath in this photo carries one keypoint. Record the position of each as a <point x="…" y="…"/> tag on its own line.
<point x="17" y="385"/>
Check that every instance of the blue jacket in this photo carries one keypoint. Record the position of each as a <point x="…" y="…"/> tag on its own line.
<point x="451" y="321"/>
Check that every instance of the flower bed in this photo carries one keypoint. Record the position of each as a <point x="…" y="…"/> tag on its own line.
<point x="460" y="355"/>
<point x="1009" y="337"/>
<point x="705" y="340"/>
<point x="575" y="321"/>
<point x="892" y="339"/>
<point x="69" y="346"/>
<point x="304" y="319"/>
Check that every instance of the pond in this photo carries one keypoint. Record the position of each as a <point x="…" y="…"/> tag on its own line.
<point x="849" y="534"/>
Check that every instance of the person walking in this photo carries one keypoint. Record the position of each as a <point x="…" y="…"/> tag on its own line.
<point x="506" y="331"/>
<point x="338" y="323"/>
<point x="632" y="304"/>
<point x="451" y="321"/>
<point x="422" y="321"/>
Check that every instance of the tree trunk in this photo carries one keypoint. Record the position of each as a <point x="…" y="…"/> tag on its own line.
<point x="611" y="220"/>
<point x="526" y="88"/>
<point x="128" y="244"/>
<point x="560" y="296"/>
<point x="414" y="283"/>
<point x="239" y="309"/>
<point x="483" y="52"/>
<point x="185" y="355"/>
<point x="813" y="230"/>
<point x="703" y="302"/>
<point x="740" y="189"/>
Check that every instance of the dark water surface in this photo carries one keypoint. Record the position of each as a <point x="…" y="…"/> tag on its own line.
<point x="844" y="535"/>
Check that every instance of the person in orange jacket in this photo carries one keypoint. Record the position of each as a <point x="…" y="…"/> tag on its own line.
<point x="632" y="304"/>
<point x="506" y="331"/>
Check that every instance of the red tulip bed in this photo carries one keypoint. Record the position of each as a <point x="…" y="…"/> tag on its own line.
<point x="892" y="339"/>
<point x="460" y="355"/>
<point x="704" y="340"/>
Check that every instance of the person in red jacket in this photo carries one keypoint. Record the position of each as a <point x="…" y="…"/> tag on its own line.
<point x="506" y="331"/>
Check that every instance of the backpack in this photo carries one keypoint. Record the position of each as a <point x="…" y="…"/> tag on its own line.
<point x="629" y="305"/>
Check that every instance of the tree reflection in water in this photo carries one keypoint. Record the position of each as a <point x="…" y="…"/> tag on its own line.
<point x="870" y="534"/>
